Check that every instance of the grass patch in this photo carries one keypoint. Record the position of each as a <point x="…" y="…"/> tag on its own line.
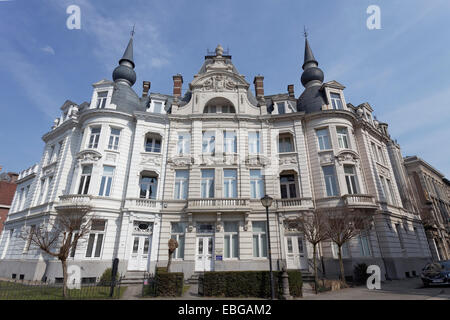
<point x="19" y="291"/>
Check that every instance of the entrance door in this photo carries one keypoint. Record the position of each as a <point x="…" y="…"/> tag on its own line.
<point x="296" y="255"/>
<point x="140" y="254"/>
<point x="204" y="254"/>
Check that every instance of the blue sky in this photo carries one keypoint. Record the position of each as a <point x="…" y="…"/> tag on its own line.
<point x="401" y="70"/>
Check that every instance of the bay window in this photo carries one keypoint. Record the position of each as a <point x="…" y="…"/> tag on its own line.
<point x="114" y="139"/>
<point x="106" y="181"/>
<point x="351" y="179"/>
<point x="94" y="137"/>
<point x="342" y="135"/>
<point x="323" y="139"/>
<point x="330" y="181"/>
<point x="86" y="172"/>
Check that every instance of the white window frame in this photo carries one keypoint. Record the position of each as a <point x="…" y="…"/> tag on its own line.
<point x="254" y="142"/>
<point x="287" y="185"/>
<point x="285" y="143"/>
<point x="231" y="237"/>
<point x="207" y="184"/>
<point x="83" y="182"/>
<point x="343" y="137"/>
<point x="328" y="180"/>
<point x="323" y="139"/>
<point x="351" y="180"/>
<point x="106" y="182"/>
<point x="256" y="184"/>
<point x="336" y="101"/>
<point x="94" y="137"/>
<point x="96" y="234"/>
<point x="178" y="254"/>
<point x="364" y="244"/>
<point x="230" y="184"/>
<point x="229" y="141"/>
<point x="152" y="138"/>
<point x="283" y="108"/>
<point x="181" y="185"/>
<point x="114" y="139"/>
<point x="101" y="101"/>
<point x="184" y="143"/>
<point x="208" y="142"/>
<point x="375" y="152"/>
<point x="154" y="186"/>
<point x="261" y="238"/>
<point x="345" y="250"/>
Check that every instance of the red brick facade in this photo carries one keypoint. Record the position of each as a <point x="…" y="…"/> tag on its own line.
<point x="7" y="190"/>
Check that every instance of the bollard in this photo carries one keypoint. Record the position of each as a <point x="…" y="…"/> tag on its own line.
<point x="285" y="283"/>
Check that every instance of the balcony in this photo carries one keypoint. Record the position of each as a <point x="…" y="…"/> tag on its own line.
<point x="219" y="204"/>
<point x="294" y="204"/>
<point x="359" y="201"/>
<point x="74" y="201"/>
<point x="143" y="204"/>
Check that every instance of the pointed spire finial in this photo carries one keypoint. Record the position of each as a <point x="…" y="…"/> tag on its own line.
<point x="132" y="31"/>
<point x="305" y="32"/>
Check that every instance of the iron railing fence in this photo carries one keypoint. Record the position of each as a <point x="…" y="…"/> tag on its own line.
<point x="34" y="290"/>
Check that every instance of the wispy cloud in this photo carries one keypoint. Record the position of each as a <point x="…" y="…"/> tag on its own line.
<point x="111" y="34"/>
<point x="48" y="50"/>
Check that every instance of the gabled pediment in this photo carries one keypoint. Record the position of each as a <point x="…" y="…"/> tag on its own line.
<point x="218" y="81"/>
<point x="103" y="82"/>
<point x="333" y="84"/>
<point x="67" y="104"/>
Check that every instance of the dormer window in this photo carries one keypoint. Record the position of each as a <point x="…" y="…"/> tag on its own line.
<point x="101" y="99"/>
<point x="281" y="107"/>
<point x="157" y="107"/>
<point x="336" y="101"/>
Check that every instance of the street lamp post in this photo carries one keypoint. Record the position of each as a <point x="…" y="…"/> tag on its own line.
<point x="267" y="202"/>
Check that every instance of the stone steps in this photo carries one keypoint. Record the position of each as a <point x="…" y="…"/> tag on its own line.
<point x="133" y="277"/>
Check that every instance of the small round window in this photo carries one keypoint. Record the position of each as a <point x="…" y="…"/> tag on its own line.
<point x="143" y="226"/>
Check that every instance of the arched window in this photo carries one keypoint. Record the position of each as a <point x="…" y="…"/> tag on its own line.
<point x="219" y="105"/>
<point x="153" y="142"/>
<point x="148" y="185"/>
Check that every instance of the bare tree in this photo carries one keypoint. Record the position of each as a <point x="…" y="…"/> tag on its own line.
<point x="314" y="228"/>
<point x="342" y="226"/>
<point x="173" y="245"/>
<point x="58" y="237"/>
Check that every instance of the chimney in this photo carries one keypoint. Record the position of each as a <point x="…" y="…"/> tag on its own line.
<point x="146" y="87"/>
<point x="177" y="84"/>
<point x="259" y="86"/>
<point x="291" y="90"/>
<point x="13" y="177"/>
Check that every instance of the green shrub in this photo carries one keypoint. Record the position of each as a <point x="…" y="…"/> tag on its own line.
<point x="360" y="273"/>
<point x="106" y="278"/>
<point x="169" y="284"/>
<point x="248" y="284"/>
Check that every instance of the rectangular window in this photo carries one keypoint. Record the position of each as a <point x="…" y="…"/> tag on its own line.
<point x="101" y="99"/>
<point x="323" y="139"/>
<point x="385" y="190"/>
<point x="285" y="143"/>
<point x="391" y="191"/>
<point x="27" y="192"/>
<point x="259" y="239"/>
<point x="157" y="107"/>
<point x="375" y="153"/>
<point x="342" y="135"/>
<point x="229" y="142"/>
<point x="364" y="245"/>
<point x="30" y="236"/>
<point x="74" y="245"/>
<point x="335" y="250"/>
<point x="149" y="187"/>
<point x="208" y="142"/>
<point x="60" y="146"/>
<point x="114" y="139"/>
<point x="288" y="186"/>
<point x="153" y="144"/>
<point x="207" y="183"/>
<point x="41" y="191"/>
<point x="230" y="183"/>
<point x="51" y="152"/>
<point x="85" y="179"/>
<point x="336" y="101"/>
<point x="231" y="240"/>
<point x="281" y="108"/>
<point x="95" y="240"/>
<point x="382" y="158"/>
<point x="20" y="199"/>
<point x="181" y="184"/>
<point x="351" y="179"/>
<point x="254" y="143"/>
<point x="94" y="138"/>
<point x="400" y="236"/>
<point x="106" y="182"/>
<point x="256" y="184"/>
<point x="178" y="233"/>
<point x="330" y="180"/>
<point x="49" y="187"/>
<point x="184" y="143"/>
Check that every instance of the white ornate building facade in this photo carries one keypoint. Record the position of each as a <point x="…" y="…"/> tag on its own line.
<point x="194" y="168"/>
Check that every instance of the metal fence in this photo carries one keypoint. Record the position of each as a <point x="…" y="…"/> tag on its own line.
<point x="26" y="290"/>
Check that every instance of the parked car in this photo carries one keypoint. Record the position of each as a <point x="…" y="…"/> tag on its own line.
<point x="436" y="273"/>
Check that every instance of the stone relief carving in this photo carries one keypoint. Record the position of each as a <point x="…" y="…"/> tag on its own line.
<point x="347" y="157"/>
<point x="88" y="156"/>
<point x="326" y="158"/>
<point x="111" y="157"/>
<point x="219" y="83"/>
<point x="288" y="160"/>
<point x="181" y="160"/>
<point x="151" y="159"/>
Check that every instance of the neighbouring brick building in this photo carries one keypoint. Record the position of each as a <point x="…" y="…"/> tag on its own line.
<point x="7" y="189"/>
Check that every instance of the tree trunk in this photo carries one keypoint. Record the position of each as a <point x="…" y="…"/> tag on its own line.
<point x="64" y="267"/>
<point x="341" y="263"/>
<point x="169" y="262"/>
<point x="316" y="278"/>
